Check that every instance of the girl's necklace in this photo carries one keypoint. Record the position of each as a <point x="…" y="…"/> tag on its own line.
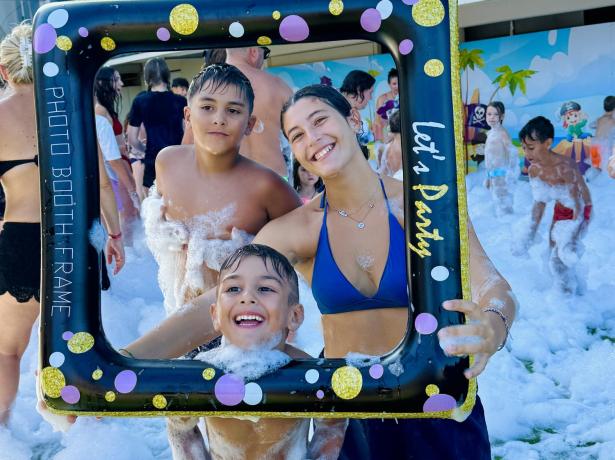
<point x="360" y="223"/>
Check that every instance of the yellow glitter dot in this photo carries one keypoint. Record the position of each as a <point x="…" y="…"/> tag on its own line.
<point x="347" y="382"/>
<point x="52" y="381"/>
<point x="97" y="374"/>
<point x="110" y="396"/>
<point x="81" y="341"/>
<point x="336" y="7"/>
<point x="184" y="19"/>
<point x="159" y="401"/>
<point x="434" y="67"/>
<point x="209" y="373"/>
<point x="107" y="43"/>
<point x="263" y="40"/>
<point x="64" y="43"/>
<point x="428" y="13"/>
<point x="276" y="15"/>
<point x="432" y="389"/>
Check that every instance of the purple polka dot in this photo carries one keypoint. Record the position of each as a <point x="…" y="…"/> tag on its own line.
<point x="371" y="20"/>
<point x="84" y="32"/>
<point x="163" y="34"/>
<point x="293" y="28"/>
<point x="410" y="2"/>
<point x="67" y="335"/>
<point x="70" y="394"/>
<point x="425" y="323"/>
<point x="376" y="371"/>
<point x="320" y="394"/>
<point x="44" y="38"/>
<point x="125" y="381"/>
<point x="439" y="403"/>
<point x="230" y="390"/>
<point x="405" y="46"/>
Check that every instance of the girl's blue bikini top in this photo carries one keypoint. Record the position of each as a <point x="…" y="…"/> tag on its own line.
<point x="335" y="294"/>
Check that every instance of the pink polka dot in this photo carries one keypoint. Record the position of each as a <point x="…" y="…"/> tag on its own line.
<point x="371" y="20"/>
<point x="125" y="381"/>
<point x="67" y="335"/>
<point x="163" y="34"/>
<point x="84" y="32"/>
<point x="410" y="2"/>
<point x="293" y="28"/>
<point x="439" y="403"/>
<point x="425" y="323"/>
<point x="44" y="38"/>
<point x="376" y="371"/>
<point x="405" y="46"/>
<point x="70" y="394"/>
<point x="320" y="394"/>
<point x="230" y="390"/>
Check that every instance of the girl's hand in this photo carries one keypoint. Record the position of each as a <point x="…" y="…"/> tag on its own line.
<point x="115" y="250"/>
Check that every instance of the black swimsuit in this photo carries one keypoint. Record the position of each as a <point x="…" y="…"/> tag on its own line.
<point x="5" y="166"/>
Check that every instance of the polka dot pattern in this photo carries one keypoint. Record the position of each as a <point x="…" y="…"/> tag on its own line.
<point x="428" y="13"/>
<point x="347" y="382"/>
<point x="81" y="342"/>
<point x="184" y="19"/>
<point x="209" y="373"/>
<point x="336" y="7"/>
<point x="159" y="401"/>
<point x="253" y="394"/>
<point x="107" y="43"/>
<point x="236" y="29"/>
<point x="434" y="67"/>
<point x="294" y="28"/>
<point x="64" y="43"/>
<point x="229" y="390"/>
<point x="52" y="381"/>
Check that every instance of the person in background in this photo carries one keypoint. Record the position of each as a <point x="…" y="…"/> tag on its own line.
<point x="604" y="141"/>
<point x="179" y="86"/>
<point x="385" y="105"/>
<point x="306" y="184"/>
<point x="390" y="161"/>
<point x="214" y="56"/>
<point x="161" y="113"/>
<point x="358" y="89"/>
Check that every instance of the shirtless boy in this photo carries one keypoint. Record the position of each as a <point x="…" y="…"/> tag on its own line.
<point x="556" y="178"/>
<point x="257" y="305"/>
<point x="210" y="199"/>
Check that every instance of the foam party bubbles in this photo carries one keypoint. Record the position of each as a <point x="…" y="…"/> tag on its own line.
<point x="293" y="28"/>
<point x="336" y="7"/>
<point x="163" y="34"/>
<point x="347" y="382"/>
<point x="229" y="390"/>
<point x="254" y="394"/>
<point x="371" y="20"/>
<point x="44" y="38"/>
<point x="125" y="381"/>
<point x="184" y="19"/>
<point x="428" y="13"/>
<point x="236" y="29"/>
<point x="406" y="46"/>
<point x="58" y="18"/>
<point x="385" y="8"/>
<point x="70" y="394"/>
<point x="425" y="323"/>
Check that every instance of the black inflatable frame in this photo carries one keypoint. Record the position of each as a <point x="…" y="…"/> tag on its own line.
<point x="83" y="374"/>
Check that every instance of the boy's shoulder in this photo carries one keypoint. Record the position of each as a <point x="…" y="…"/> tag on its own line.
<point x="259" y="174"/>
<point x="173" y="153"/>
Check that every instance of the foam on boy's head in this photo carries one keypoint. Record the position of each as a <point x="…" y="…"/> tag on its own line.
<point x="220" y="76"/>
<point x="537" y="129"/>
<point x="271" y="258"/>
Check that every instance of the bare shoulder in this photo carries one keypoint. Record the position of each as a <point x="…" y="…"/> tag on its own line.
<point x="173" y="153"/>
<point x="394" y="189"/>
<point x="260" y="176"/>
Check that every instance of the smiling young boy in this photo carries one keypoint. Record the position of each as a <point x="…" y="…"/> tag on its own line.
<point x="555" y="178"/>
<point x="209" y="199"/>
<point x="257" y="305"/>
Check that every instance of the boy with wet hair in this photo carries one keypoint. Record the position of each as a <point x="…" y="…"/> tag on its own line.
<point x="555" y="178"/>
<point x="257" y="305"/>
<point x="180" y="86"/>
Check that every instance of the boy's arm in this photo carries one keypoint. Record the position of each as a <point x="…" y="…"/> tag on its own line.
<point x="328" y="438"/>
<point x="538" y="210"/>
<point x="279" y="197"/>
<point x="185" y="439"/>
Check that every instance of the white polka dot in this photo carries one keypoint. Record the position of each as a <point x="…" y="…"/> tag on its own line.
<point x="58" y="18"/>
<point x="311" y="376"/>
<point x="254" y="394"/>
<point x="439" y="273"/>
<point x="236" y="29"/>
<point x="385" y="8"/>
<point x="50" y="69"/>
<point x="56" y="359"/>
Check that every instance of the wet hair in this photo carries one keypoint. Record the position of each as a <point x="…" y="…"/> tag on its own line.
<point x="497" y="105"/>
<point x="392" y="74"/>
<point x="104" y="90"/>
<point x="537" y="129"/>
<point x="16" y="54"/>
<point x="395" y="122"/>
<point x="156" y="71"/>
<point x="297" y="181"/>
<point x="180" y="82"/>
<point x="356" y="82"/>
<point x="218" y="76"/>
<point x="609" y="103"/>
<point x="271" y="258"/>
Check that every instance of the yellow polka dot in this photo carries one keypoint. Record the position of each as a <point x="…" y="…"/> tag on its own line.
<point x="184" y="19"/>
<point x="97" y="374"/>
<point x="432" y="389"/>
<point x="336" y="7"/>
<point x="81" y="341"/>
<point x="263" y="40"/>
<point x="428" y="13"/>
<point x="107" y="43"/>
<point x="347" y="382"/>
<point x="110" y="396"/>
<point x="209" y="373"/>
<point x="276" y="15"/>
<point x="52" y="381"/>
<point x="64" y="43"/>
<point x="159" y="401"/>
<point x="434" y="68"/>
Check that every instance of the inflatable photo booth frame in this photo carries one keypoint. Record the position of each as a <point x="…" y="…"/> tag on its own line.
<point x="82" y="374"/>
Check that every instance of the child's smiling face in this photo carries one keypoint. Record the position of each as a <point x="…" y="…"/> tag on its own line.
<point x="252" y="305"/>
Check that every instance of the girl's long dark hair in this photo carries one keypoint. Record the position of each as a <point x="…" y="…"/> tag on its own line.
<point x="105" y="92"/>
<point x="318" y="186"/>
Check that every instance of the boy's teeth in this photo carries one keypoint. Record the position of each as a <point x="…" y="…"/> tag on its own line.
<point x="249" y="318"/>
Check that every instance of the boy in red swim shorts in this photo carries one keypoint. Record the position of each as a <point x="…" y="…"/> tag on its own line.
<point x="556" y="178"/>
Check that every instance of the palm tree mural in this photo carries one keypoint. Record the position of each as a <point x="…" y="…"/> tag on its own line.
<point x="470" y="59"/>
<point x="510" y="79"/>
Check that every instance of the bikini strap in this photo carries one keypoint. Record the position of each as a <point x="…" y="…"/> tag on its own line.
<point x="386" y="198"/>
